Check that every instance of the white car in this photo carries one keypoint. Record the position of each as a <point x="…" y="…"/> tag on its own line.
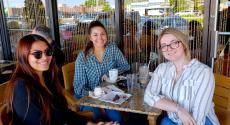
<point x="186" y="12"/>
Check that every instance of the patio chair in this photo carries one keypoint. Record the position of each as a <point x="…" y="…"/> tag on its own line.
<point x="68" y="75"/>
<point x="4" y="119"/>
<point x="222" y="98"/>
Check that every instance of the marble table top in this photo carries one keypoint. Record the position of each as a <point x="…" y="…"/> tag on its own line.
<point x="134" y="104"/>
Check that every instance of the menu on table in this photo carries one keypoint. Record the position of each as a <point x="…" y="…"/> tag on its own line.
<point x="112" y="94"/>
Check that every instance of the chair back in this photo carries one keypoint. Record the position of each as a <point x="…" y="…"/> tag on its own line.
<point x="68" y="75"/>
<point x="2" y="91"/>
<point x="222" y="98"/>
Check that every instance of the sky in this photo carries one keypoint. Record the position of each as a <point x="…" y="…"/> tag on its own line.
<point x="20" y="3"/>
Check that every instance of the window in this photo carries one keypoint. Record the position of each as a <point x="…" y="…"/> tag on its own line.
<point x="21" y="17"/>
<point x="73" y="30"/>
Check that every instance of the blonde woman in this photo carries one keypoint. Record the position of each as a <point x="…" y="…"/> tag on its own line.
<point x="182" y="86"/>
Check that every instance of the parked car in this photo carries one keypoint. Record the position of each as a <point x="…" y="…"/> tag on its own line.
<point x="66" y="31"/>
<point x="175" y="22"/>
<point x="187" y="12"/>
<point x="87" y="17"/>
<point x="156" y="12"/>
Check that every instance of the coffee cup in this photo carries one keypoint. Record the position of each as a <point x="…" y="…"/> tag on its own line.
<point x="98" y="91"/>
<point x="113" y="75"/>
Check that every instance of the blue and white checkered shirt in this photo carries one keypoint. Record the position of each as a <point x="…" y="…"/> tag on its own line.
<point x="88" y="73"/>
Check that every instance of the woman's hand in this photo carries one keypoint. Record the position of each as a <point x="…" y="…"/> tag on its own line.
<point x="185" y="117"/>
<point x="106" y="123"/>
<point x="104" y="77"/>
<point x="102" y="123"/>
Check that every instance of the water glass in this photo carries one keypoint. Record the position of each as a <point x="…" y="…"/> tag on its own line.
<point x="143" y="73"/>
<point x="130" y="82"/>
<point x="143" y="70"/>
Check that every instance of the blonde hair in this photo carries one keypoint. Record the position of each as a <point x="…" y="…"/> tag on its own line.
<point x="180" y="36"/>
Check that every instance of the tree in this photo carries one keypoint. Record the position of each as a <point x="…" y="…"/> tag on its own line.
<point x="94" y="3"/>
<point x="178" y="5"/>
<point x="127" y="2"/>
<point x="34" y="13"/>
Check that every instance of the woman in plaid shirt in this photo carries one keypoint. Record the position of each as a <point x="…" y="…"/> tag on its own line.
<point x="92" y="66"/>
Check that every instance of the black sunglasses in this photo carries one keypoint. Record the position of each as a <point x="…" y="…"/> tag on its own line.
<point x="38" y="54"/>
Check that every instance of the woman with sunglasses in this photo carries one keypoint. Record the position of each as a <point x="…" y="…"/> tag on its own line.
<point x="34" y="95"/>
<point x="182" y="86"/>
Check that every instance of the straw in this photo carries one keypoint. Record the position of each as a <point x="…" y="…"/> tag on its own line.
<point x="149" y="63"/>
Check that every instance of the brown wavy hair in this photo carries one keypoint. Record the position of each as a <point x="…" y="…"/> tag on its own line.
<point x="26" y="73"/>
<point x="89" y="44"/>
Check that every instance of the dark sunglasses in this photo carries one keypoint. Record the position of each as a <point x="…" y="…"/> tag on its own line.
<point x="38" y="54"/>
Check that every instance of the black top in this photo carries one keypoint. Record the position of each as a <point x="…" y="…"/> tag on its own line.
<point x="22" y="115"/>
<point x="59" y="56"/>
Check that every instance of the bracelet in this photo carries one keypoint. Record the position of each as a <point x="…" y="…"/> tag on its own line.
<point x="177" y="108"/>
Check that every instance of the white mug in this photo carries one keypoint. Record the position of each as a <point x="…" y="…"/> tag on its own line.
<point x="113" y="74"/>
<point x="98" y="91"/>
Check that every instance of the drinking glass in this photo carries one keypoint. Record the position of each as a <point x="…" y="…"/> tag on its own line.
<point x="143" y="73"/>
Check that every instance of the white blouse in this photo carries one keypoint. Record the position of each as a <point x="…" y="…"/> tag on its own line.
<point x="193" y="90"/>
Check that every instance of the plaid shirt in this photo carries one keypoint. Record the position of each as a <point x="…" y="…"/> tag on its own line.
<point x="88" y="73"/>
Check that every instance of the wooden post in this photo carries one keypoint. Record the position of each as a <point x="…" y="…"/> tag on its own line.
<point x="152" y="119"/>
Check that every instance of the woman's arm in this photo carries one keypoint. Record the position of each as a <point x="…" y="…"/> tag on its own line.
<point x="170" y="106"/>
<point x="153" y="89"/>
<point x="29" y="114"/>
<point x="121" y="62"/>
<point x="80" y="79"/>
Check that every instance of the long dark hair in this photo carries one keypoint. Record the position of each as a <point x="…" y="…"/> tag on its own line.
<point x="25" y="72"/>
<point x="89" y="44"/>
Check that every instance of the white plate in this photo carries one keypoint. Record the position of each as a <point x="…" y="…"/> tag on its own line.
<point x="118" y="79"/>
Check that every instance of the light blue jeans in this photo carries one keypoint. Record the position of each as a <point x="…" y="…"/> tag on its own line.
<point x="167" y="121"/>
<point x="111" y="115"/>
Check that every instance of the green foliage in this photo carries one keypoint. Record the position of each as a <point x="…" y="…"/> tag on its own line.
<point x="34" y="13"/>
<point x="178" y="5"/>
<point x="127" y="2"/>
<point x="13" y="24"/>
<point x="196" y="18"/>
<point x="200" y="7"/>
<point x="189" y="15"/>
<point x="94" y="3"/>
<point x="89" y="3"/>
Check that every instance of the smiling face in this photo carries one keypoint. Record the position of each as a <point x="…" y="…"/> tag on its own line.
<point x="175" y="53"/>
<point x="98" y="36"/>
<point x="42" y="64"/>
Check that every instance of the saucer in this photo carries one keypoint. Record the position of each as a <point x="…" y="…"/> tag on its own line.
<point x="109" y="81"/>
<point x="91" y="94"/>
